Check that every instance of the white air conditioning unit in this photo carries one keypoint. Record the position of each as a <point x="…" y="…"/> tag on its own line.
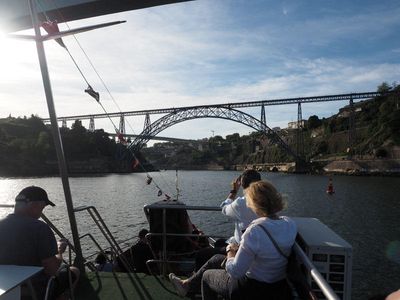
<point x="330" y="254"/>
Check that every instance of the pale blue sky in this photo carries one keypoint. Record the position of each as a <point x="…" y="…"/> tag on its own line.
<point x="209" y="51"/>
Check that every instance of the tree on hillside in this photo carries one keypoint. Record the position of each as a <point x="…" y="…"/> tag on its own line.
<point x="314" y="122"/>
<point x="78" y="128"/>
<point x="384" y="87"/>
<point x="43" y="144"/>
<point x="233" y="138"/>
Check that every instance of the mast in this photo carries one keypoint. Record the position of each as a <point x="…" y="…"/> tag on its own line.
<point x="56" y="135"/>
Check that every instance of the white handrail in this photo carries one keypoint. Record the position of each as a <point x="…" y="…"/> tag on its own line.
<point x="315" y="274"/>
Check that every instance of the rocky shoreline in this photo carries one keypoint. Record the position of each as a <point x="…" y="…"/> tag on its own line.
<point x="378" y="167"/>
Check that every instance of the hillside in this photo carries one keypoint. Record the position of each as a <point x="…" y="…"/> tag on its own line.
<point x="27" y="149"/>
<point x="376" y="135"/>
<point x="26" y="144"/>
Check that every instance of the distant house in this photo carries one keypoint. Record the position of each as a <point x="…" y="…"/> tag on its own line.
<point x="293" y="125"/>
<point x="344" y="112"/>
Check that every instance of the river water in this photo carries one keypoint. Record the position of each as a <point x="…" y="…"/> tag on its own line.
<point x="364" y="211"/>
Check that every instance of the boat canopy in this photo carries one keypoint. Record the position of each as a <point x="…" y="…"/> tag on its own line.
<point x="15" y="16"/>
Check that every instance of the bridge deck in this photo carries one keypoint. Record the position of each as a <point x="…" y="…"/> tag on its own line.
<point x="326" y="98"/>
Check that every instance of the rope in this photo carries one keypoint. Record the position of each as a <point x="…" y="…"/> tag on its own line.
<point x="96" y="95"/>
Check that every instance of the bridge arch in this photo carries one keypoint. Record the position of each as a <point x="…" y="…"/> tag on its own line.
<point x="181" y="115"/>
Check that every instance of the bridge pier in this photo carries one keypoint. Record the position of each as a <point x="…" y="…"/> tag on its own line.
<point x="299" y="132"/>
<point x="122" y="124"/>
<point x="263" y="115"/>
<point x="352" y="128"/>
<point x="91" y="124"/>
<point x="302" y="166"/>
<point x="147" y="121"/>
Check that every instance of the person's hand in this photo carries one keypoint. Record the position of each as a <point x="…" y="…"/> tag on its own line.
<point x="62" y="245"/>
<point x="236" y="184"/>
<point x="232" y="247"/>
<point x="231" y="250"/>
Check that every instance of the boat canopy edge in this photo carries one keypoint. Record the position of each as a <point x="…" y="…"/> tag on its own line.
<point x="15" y="16"/>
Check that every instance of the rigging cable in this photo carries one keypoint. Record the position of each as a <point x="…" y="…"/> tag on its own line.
<point x="51" y="27"/>
<point x="109" y="93"/>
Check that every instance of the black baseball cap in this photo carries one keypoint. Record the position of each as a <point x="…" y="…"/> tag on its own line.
<point x="33" y="193"/>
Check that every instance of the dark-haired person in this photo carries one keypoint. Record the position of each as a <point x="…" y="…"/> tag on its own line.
<point x="102" y="264"/>
<point x="141" y="253"/>
<point x="27" y="241"/>
<point x="255" y="269"/>
<point x="236" y="208"/>
<point x="138" y="254"/>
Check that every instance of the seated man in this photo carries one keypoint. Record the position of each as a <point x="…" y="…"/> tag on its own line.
<point x="26" y="241"/>
<point x="141" y="253"/>
<point x="102" y="263"/>
<point x="136" y="256"/>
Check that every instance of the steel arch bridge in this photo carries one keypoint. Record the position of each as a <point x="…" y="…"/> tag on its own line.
<point x="222" y="112"/>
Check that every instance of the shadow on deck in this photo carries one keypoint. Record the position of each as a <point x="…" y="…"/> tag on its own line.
<point x="115" y="286"/>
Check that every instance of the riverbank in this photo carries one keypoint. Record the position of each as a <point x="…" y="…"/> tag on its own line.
<point x="380" y="167"/>
<point x="364" y="167"/>
<point x="85" y="168"/>
<point x="354" y="167"/>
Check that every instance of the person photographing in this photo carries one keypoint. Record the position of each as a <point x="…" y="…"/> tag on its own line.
<point x="235" y="207"/>
<point x="255" y="269"/>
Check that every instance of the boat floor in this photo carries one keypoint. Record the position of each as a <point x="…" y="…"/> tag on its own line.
<point x="115" y="286"/>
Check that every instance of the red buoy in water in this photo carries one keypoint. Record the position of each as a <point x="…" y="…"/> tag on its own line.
<point x="330" y="189"/>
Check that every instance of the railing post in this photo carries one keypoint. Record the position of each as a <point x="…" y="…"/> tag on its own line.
<point x="164" y="255"/>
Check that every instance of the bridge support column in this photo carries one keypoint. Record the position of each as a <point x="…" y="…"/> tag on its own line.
<point x="352" y="128"/>
<point x="122" y="124"/>
<point x="64" y="123"/>
<point x="263" y="115"/>
<point x="299" y="132"/>
<point x="91" y="124"/>
<point x="147" y="121"/>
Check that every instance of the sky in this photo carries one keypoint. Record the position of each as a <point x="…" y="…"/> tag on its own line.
<point x="207" y="52"/>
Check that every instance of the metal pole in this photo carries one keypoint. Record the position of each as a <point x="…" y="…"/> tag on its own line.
<point x="164" y="253"/>
<point x="56" y="136"/>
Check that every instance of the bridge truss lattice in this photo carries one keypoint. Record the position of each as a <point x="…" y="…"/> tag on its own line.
<point x="226" y="113"/>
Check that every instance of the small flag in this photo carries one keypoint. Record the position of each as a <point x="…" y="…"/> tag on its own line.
<point x="52" y="27"/>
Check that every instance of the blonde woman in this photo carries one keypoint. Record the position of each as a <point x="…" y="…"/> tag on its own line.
<point x="255" y="269"/>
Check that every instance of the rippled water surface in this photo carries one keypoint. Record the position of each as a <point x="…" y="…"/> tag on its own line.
<point x="364" y="211"/>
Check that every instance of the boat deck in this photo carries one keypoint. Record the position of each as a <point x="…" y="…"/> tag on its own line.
<point x="115" y="286"/>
